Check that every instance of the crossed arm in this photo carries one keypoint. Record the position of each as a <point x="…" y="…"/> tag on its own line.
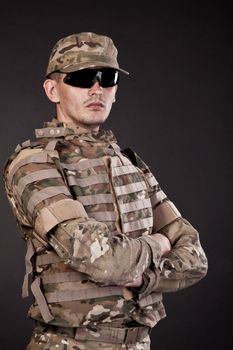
<point x="165" y="261"/>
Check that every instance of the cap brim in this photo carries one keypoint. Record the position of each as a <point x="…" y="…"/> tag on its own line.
<point x="75" y="67"/>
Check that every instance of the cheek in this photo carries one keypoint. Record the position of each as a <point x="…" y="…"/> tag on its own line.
<point x="110" y="97"/>
<point x="71" y="100"/>
<point x="70" y="96"/>
<point x="63" y="96"/>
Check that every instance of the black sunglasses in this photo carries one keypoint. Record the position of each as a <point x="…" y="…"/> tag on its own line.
<point x="86" y="78"/>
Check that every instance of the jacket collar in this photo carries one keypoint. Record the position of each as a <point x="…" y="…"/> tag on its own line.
<point x="56" y="129"/>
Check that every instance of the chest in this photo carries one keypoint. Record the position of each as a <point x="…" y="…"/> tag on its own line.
<point x="111" y="189"/>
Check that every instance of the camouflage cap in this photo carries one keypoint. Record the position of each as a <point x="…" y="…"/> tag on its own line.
<point x="83" y="50"/>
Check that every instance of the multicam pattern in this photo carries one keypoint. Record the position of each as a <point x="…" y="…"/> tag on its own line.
<point x="87" y="213"/>
<point x="52" y="341"/>
<point x="83" y="50"/>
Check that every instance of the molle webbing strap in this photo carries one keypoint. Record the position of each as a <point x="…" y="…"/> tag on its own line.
<point x="130" y="188"/>
<point x="83" y="164"/>
<point x="38" y="245"/>
<point x="133" y="206"/>
<point x="150" y="299"/>
<point x="125" y="161"/>
<point x="137" y="225"/>
<point x="131" y="336"/>
<point x="115" y="162"/>
<point x="124" y="169"/>
<point x="48" y="258"/>
<point x="115" y="147"/>
<point x="164" y="214"/>
<point x="28" y="265"/>
<point x="36" y="176"/>
<point x="158" y="197"/>
<point x="87" y="181"/>
<point x="41" y="301"/>
<point x="51" y="145"/>
<point x="83" y="294"/>
<point x="135" y="211"/>
<point x="39" y="242"/>
<point x="22" y="145"/>
<point x="57" y="212"/>
<point x="96" y="199"/>
<point x="35" y="156"/>
<point x="103" y="215"/>
<point x="45" y="193"/>
<point x="62" y="277"/>
<point x="151" y="180"/>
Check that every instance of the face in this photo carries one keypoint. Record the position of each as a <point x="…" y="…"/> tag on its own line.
<point x="88" y="107"/>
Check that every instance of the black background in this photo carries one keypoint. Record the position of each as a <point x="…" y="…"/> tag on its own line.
<point x="174" y="110"/>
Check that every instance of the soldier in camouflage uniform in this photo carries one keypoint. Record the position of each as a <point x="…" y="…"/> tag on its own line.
<point x="103" y="240"/>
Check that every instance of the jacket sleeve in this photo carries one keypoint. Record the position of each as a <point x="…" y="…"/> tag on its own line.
<point x="183" y="266"/>
<point x="186" y="263"/>
<point x="42" y="201"/>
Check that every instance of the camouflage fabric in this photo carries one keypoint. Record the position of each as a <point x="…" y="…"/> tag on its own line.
<point x="87" y="212"/>
<point x="83" y="50"/>
<point x="53" y="341"/>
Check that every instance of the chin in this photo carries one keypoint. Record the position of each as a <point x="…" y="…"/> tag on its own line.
<point x="97" y="120"/>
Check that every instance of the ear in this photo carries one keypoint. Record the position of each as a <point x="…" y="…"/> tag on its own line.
<point x="50" y="87"/>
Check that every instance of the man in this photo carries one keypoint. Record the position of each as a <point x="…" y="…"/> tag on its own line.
<point x="103" y="239"/>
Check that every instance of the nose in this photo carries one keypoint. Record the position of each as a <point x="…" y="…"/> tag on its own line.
<point x="96" y="89"/>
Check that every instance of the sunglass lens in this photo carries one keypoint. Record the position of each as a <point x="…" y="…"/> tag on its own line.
<point x="81" y="78"/>
<point x="85" y="78"/>
<point x="109" y="77"/>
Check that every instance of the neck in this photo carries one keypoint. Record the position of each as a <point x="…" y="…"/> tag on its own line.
<point x="74" y="124"/>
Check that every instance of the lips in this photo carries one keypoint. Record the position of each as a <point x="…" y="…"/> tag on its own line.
<point x="95" y="104"/>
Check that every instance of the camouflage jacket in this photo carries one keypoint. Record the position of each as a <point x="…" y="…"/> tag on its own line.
<point x="87" y="211"/>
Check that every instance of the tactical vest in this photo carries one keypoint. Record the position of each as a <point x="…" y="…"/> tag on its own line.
<point x="111" y="190"/>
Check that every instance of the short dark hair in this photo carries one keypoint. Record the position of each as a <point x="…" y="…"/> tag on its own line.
<point x="55" y="76"/>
